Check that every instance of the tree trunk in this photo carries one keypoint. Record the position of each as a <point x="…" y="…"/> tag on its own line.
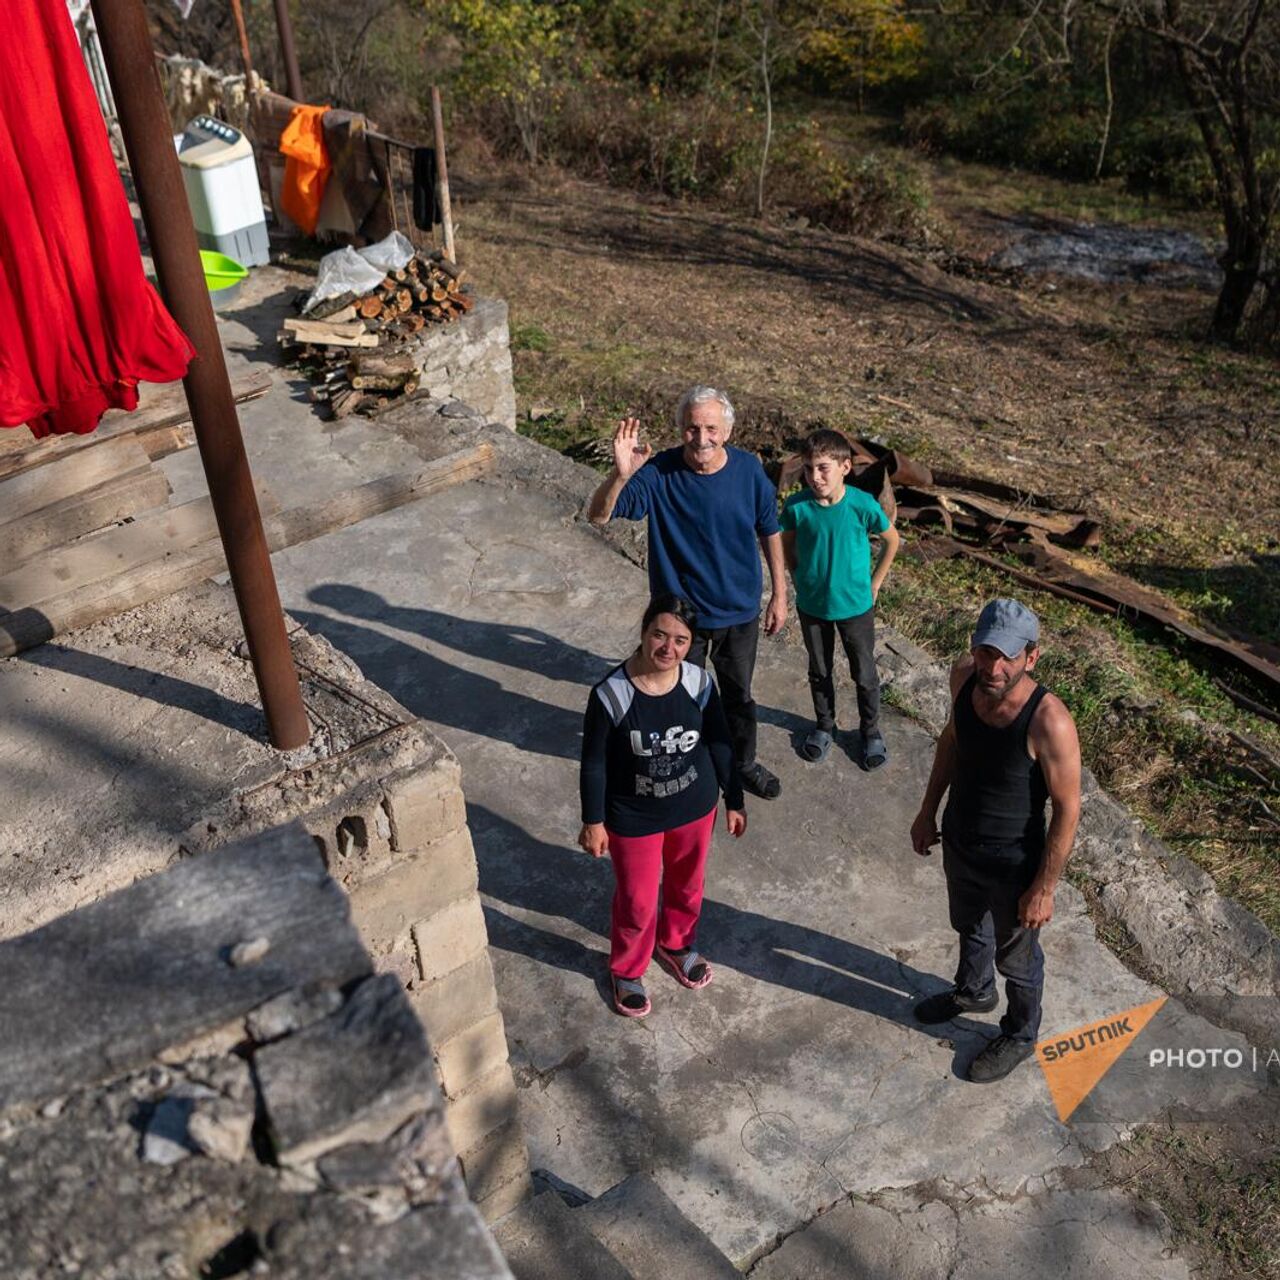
<point x="768" y="115"/>
<point x="1242" y="266"/>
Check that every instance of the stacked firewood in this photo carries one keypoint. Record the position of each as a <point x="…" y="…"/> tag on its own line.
<point x="359" y="352"/>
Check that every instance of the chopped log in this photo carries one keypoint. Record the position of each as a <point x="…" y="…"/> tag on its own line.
<point x="451" y="269"/>
<point x="345" y="403"/>
<point x="404" y="300"/>
<point x="378" y="382"/>
<point x="82" y="513"/>
<point x="370" y="306"/>
<point x="384" y="364"/>
<point x="330" y="306"/>
<point x="347" y="314"/>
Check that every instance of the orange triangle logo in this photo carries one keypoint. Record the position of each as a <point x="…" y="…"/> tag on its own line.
<point x="1075" y="1061"/>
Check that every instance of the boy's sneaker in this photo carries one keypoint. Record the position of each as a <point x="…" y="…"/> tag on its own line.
<point x="947" y="1005"/>
<point x="759" y="781"/>
<point x="998" y="1059"/>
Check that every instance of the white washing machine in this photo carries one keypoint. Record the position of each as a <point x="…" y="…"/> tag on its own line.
<point x="222" y="188"/>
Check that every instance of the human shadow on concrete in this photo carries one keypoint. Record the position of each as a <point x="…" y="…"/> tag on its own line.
<point x="450" y="695"/>
<point x="529" y="874"/>
<point x="157" y="686"/>
<point x="513" y="645"/>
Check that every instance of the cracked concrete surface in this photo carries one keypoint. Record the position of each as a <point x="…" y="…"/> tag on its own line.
<point x="798" y="1077"/>
<point x="912" y="1236"/>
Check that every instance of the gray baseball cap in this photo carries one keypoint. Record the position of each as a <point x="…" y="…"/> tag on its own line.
<point x="1008" y="626"/>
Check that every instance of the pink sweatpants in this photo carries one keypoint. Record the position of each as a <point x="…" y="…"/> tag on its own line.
<point x="677" y="858"/>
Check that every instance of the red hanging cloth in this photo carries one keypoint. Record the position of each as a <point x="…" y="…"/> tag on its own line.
<point x="80" y="326"/>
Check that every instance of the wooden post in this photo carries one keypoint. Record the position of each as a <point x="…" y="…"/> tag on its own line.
<point x="288" y="54"/>
<point x="442" y="173"/>
<point x="237" y="12"/>
<point x="144" y="123"/>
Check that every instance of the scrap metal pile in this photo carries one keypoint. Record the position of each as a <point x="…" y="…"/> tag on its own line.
<point x="1038" y="540"/>
<point x="359" y="350"/>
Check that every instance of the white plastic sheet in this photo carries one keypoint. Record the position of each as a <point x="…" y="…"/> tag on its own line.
<point x="357" y="271"/>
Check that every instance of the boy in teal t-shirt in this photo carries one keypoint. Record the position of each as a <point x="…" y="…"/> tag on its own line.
<point x="826" y="538"/>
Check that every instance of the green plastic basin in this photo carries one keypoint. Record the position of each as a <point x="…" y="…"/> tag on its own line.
<point x="221" y="272"/>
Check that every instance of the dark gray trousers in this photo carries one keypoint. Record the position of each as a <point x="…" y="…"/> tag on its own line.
<point x="732" y="651"/>
<point x="858" y="636"/>
<point x="982" y="897"/>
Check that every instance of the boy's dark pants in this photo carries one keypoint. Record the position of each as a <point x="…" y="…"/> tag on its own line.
<point x="858" y="635"/>
<point x="732" y="651"/>
<point x="982" y="898"/>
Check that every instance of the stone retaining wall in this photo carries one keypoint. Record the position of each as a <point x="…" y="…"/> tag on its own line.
<point x="389" y="818"/>
<point x="402" y="850"/>
<point x="470" y="360"/>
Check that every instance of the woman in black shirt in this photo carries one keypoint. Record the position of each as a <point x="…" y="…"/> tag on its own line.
<point x="656" y="755"/>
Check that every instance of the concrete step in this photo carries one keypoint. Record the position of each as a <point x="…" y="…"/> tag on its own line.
<point x="546" y="1240"/>
<point x="644" y="1229"/>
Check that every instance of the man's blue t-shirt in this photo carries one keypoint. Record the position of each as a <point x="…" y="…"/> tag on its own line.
<point x="704" y="531"/>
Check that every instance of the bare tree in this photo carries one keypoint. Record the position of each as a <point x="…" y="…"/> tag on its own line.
<point x="1227" y="57"/>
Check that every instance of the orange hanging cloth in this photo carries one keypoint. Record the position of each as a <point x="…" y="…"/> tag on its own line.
<point x="80" y="326"/>
<point x="306" y="168"/>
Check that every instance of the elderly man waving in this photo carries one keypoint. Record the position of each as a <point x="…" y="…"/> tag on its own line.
<point x="708" y="506"/>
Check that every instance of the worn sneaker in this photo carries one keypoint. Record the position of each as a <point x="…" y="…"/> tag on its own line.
<point x="950" y="1004"/>
<point x="760" y="781"/>
<point x="998" y="1059"/>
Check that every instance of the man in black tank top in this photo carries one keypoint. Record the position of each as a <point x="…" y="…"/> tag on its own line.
<point x="1009" y="746"/>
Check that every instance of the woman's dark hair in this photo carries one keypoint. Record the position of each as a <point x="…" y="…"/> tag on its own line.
<point x="673" y="604"/>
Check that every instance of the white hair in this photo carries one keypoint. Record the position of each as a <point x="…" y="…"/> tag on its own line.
<point x="702" y="394"/>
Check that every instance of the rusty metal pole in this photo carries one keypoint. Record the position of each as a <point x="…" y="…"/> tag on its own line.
<point x="442" y="174"/>
<point x="284" y="28"/>
<point x="144" y="122"/>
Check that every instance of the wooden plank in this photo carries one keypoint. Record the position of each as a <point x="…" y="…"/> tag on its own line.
<point x="337" y="329"/>
<point x="156" y="560"/>
<point x="301" y="524"/>
<point x="20" y="495"/>
<point x="157" y="955"/>
<point x="161" y="408"/>
<point x="148" y="541"/>
<point x="82" y="513"/>
<point x="328" y="340"/>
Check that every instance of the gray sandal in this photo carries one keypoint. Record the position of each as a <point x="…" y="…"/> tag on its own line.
<point x="815" y="747"/>
<point x="874" y="751"/>
<point x="629" y="997"/>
